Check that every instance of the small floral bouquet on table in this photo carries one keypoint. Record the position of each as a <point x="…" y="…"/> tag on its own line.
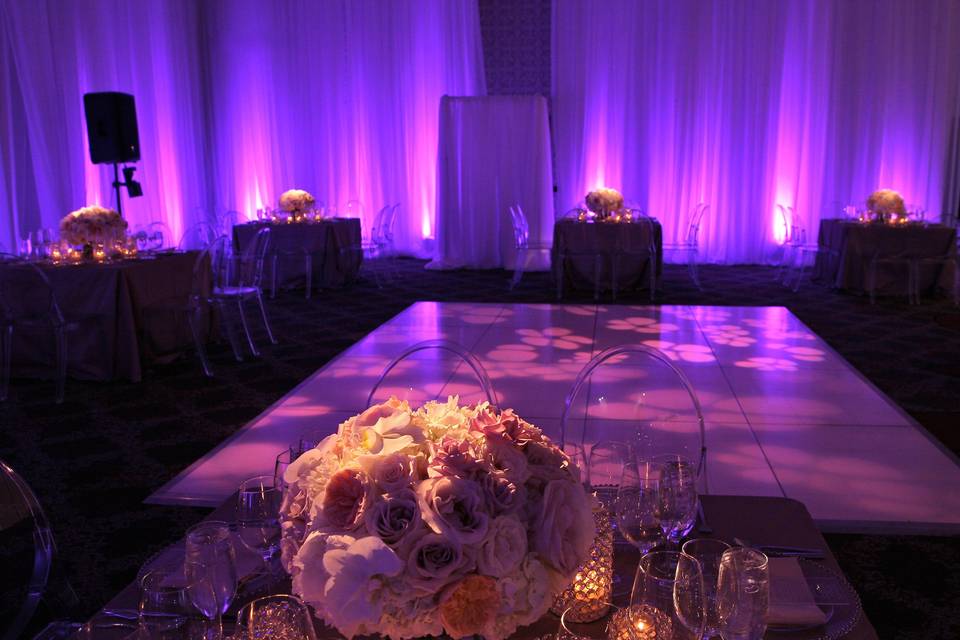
<point x="604" y="201"/>
<point x="92" y="225"/>
<point x="297" y="203"/>
<point x="888" y="205"/>
<point x="445" y="519"/>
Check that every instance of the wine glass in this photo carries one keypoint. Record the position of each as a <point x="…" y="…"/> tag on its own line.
<point x="678" y="496"/>
<point x="708" y="552"/>
<point x="164" y="605"/>
<point x="258" y="511"/>
<point x="667" y="599"/>
<point x="211" y="571"/>
<point x="743" y="594"/>
<point x="282" y="617"/>
<point x="638" y="505"/>
<point x="604" y="468"/>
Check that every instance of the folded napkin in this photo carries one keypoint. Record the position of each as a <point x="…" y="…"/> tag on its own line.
<point x="791" y="603"/>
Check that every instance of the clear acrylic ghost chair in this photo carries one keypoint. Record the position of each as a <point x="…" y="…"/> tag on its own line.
<point x="449" y="346"/>
<point x="159" y="236"/>
<point x="690" y="245"/>
<point x="27" y="543"/>
<point x="241" y="281"/>
<point x="643" y="249"/>
<point x="608" y="360"/>
<point x="197" y="237"/>
<point x="28" y="303"/>
<point x="797" y="251"/>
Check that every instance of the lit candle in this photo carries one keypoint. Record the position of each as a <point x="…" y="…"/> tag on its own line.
<point x="589" y="594"/>
<point x="99" y="254"/>
<point x="640" y="622"/>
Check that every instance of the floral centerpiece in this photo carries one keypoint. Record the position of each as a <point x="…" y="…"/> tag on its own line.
<point x="448" y="518"/>
<point x="296" y="202"/>
<point x="92" y="225"/>
<point x="887" y="204"/>
<point x="604" y="201"/>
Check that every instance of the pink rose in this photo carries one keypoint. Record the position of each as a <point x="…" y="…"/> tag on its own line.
<point x="393" y="517"/>
<point x="454" y="457"/>
<point x="454" y="507"/>
<point x="507" y="457"/>
<point x="563" y="530"/>
<point x="501" y="495"/>
<point x="345" y="498"/>
<point x="390" y="473"/>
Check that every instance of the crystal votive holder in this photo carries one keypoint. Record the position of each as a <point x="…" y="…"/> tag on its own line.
<point x="639" y="622"/>
<point x="588" y="596"/>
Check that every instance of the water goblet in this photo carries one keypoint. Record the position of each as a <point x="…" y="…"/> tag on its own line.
<point x="743" y="594"/>
<point x="667" y="599"/>
<point x="211" y="571"/>
<point x="258" y="509"/>
<point x="164" y="606"/>
<point x="604" y="467"/>
<point x="638" y="505"/>
<point x="281" y="617"/>
<point x="678" y="496"/>
<point x="708" y="552"/>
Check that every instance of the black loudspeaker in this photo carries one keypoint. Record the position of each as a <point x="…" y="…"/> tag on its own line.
<point x="112" y="127"/>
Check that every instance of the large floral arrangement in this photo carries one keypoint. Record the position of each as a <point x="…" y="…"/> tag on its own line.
<point x="603" y="201"/>
<point x="886" y="202"/>
<point x="296" y="201"/>
<point x="448" y="518"/>
<point x="91" y="225"/>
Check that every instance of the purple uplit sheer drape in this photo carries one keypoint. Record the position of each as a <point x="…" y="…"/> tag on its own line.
<point x="745" y="104"/>
<point x="237" y="101"/>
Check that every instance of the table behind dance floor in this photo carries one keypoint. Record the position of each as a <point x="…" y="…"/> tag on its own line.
<point x="848" y="246"/>
<point x="576" y="243"/>
<point x="124" y="312"/>
<point x="334" y="244"/>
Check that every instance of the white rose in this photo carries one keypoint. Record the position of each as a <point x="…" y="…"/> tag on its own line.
<point x="563" y="530"/>
<point x="504" y="547"/>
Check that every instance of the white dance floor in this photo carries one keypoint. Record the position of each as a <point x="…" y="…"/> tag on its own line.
<point x="785" y="415"/>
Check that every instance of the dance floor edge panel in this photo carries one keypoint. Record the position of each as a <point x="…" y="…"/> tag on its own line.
<point x="785" y="414"/>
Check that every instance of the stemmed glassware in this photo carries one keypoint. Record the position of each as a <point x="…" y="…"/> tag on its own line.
<point x="708" y="552"/>
<point x="258" y="508"/>
<point x="743" y="594"/>
<point x="604" y="467"/>
<point x="678" y="496"/>
<point x="164" y="606"/>
<point x="280" y="617"/>
<point x="638" y="505"/>
<point x="667" y="599"/>
<point x="211" y="572"/>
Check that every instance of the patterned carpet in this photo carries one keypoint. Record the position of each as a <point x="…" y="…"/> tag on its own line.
<point x="94" y="459"/>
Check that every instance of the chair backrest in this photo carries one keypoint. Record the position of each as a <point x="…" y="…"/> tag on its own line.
<point x="215" y="257"/>
<point x="27" y="550"/>
<point x="26" y="292"/>
<point x="159" y="236"/>
<point x="376" y="229"/>
<point x="521" y="229"/>
<point x="389" y="224"/>
<point x="693" y="231"/>
<point x="199" y="236"/>
<point x="250" y="269"/>
<point x="443" y="345"/>
<point x="620" y="355"/>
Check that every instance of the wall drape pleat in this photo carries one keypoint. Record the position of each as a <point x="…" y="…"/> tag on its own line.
<point x="237" y="101"/>
<point x="748" y="103"/>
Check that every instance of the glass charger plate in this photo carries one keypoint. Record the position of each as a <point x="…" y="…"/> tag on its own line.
<point x="829" y="589"/>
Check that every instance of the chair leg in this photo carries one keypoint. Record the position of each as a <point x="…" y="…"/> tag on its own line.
<point x="518" y="267"/>
<point x="266" y="322"/>
<point x="246" y="328"/>
<point x="6" y="347"/>
<point x="193" y="319"/>
<point x="693" y="270"/>
<point x="61" y="338"/>
<point x="231" y="331"/>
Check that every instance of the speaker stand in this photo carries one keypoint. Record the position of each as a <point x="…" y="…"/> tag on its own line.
<point x="116" y="185"/>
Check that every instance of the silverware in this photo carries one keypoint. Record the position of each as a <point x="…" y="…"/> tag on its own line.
<point x="783" y="551"/>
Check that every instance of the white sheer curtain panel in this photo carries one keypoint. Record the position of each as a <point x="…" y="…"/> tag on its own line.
<point x="751" y="103"/>
<point x="61" y="50"/>
<point x="237" y="101"/>
<point x="494" y="153"/>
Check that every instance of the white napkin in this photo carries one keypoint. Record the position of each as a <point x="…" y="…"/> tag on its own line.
<point x="791" y="603"/>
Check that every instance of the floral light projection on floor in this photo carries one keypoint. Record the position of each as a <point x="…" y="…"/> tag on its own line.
<point x="784" y="413"/>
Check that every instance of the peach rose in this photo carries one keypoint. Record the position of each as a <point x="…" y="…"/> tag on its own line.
<point x="470" y="606"/>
